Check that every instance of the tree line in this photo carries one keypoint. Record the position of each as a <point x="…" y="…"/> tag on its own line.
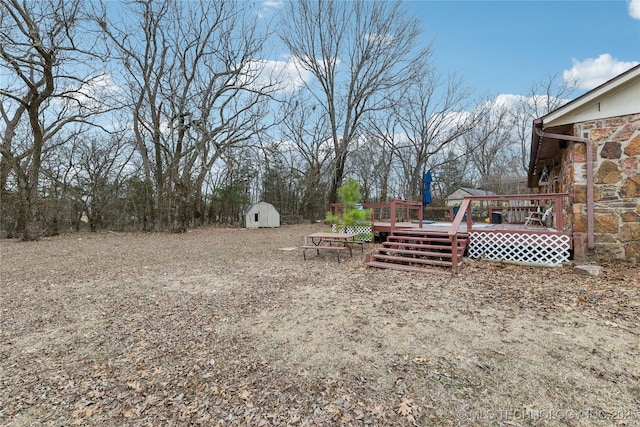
<point x="163" y="115"/>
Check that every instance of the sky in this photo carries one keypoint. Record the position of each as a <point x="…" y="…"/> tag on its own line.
<point x="505" y="47"/>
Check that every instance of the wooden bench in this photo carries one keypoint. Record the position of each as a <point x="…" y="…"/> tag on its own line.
<point x="348" y="243"/>
<point x="336" y="249"/>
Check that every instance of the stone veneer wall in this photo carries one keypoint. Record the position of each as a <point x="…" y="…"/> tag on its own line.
<point x="616" y="144"/>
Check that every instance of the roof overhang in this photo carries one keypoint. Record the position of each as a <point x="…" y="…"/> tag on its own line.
<point x="617" y="97"/>
<point x="545" y="151"/>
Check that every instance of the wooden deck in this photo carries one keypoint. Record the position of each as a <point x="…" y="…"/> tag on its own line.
<point x="385" y="227"/>
<point x="510" y="240"/>
<point x="505" y="241"/>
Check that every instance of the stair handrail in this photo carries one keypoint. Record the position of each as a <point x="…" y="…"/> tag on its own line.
<point x="465" y="209"/>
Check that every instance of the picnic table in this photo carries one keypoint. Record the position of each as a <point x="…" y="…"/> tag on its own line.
<point x="334" y="242"/>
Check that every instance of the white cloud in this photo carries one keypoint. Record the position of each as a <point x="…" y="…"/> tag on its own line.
<point x="591" y="72"/>
<point x="268" y="7"/>
<point x="93" y="94"/>
<point x="634" y="9"/>
<point x="294" y="76"/>
<point x="508" y="101"/>
<point x="285" y="76"/>
<point x="273" y="4"/>
<point x="381" y="39"/>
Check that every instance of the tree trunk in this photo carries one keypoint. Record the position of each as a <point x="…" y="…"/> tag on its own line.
<point x="338" y="176"/>
<point x="31" y="229"/>
<point x="28" y="209"/>
<point x="158" y="201"/>
<point x="180" y="218"/>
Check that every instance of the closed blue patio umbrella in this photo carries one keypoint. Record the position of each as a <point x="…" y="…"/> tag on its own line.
<point x="426" y="188"/>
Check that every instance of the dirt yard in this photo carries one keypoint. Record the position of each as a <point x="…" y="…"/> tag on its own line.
<point x="232" y="327"/>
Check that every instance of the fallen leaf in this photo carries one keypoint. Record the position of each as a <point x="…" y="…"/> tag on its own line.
<point x="420" y="361"/>
<point x="405" y="408"/>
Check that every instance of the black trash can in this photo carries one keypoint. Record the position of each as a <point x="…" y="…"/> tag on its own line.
<point x="496" y="217"/>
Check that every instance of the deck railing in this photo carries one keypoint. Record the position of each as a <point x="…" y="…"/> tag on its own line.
<point x="383" y="211"/>
<point x="522" y="202"/>
<point x="376" y="209"/>
<point x="448" y="210"/>
<point x="554" y="198"/>
<point x="464" y="214"/>
<point x="407" y="206"/>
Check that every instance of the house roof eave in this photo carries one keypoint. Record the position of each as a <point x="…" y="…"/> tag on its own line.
<point x="533" y="156"/>
<point x="554" y="118"/>
<point x="609" y="85"/>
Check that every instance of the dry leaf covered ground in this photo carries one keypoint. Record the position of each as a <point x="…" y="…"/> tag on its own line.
<point x="231" y="327"/>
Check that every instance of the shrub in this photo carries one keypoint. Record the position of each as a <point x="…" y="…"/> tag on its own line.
<point x="352" y="212"/>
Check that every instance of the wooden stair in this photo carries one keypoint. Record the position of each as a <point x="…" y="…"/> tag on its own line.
<point x="418" y="250"/>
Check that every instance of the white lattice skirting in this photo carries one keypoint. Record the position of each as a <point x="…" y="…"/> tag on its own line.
<point x="363" y="231"/>
<point x="549" y="249"/>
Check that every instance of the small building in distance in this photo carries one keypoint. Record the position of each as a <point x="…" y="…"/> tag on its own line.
<point x="455" y="198"/>
<point x="262" y="215"/>
<point x="479" y="208"/>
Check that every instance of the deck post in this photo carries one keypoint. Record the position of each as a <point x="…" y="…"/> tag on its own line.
<point x="557" y="205"/>
<point x="392" y="214"/>
<point x="454" y="253"/>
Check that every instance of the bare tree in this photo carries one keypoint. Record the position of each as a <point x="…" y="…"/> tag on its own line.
<point x="451" y="171"/>
<point x="489" y="144"/>
<point x="143" y="53"/>
<point x="304" y="129"/>
<point x="431" y="116"/>
<point x="49" y="86"/>
<point x="544" y="96"/>
<point x="192" y="73"/>
<point x="370" y="162"/>
<point x="360" y="54"/>
<point x="100" y="168"/>
<point x="283" y="183"/>
<point x="376" y="157"/>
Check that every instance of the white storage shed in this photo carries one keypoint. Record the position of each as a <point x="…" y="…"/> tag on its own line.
<point x="262" y="215"/>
